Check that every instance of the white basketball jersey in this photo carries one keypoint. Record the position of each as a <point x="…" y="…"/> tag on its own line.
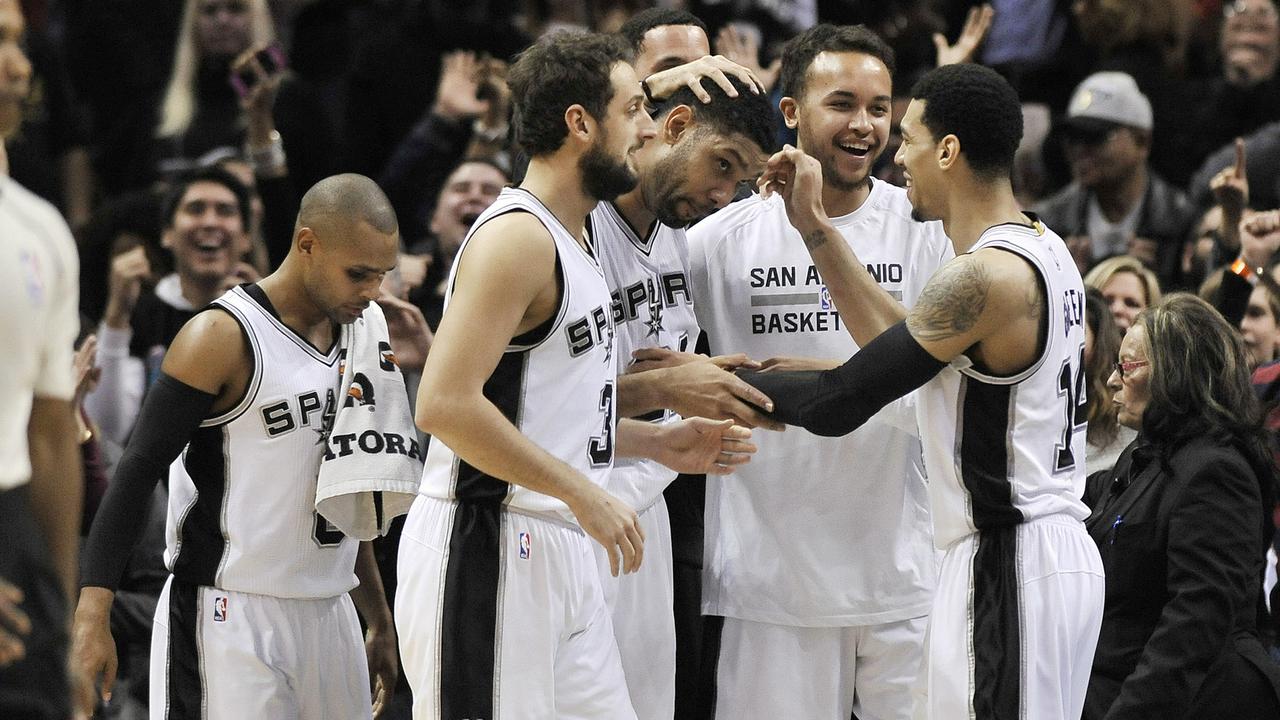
<point x="554" y="383"/>
<point x="652" y="307"/>
<point x="814" y="531"/>
<point x="242" y="494"/>
<point x="1005" y="450"/>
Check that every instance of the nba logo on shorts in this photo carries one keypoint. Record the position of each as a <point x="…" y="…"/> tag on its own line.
<point x="824" y="298"/>
<point x="526" y="545"/>
<point x="219" y="609"/>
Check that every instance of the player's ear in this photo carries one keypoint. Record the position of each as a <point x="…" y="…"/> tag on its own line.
<point x="948" y="151"/>
<point x="579" y="122"/>
<point x="788" y="106"/>
<point x="678" y="121"/>
<point x="305" y="240"/>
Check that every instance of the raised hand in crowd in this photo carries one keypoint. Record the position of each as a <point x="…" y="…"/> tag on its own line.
<point x="129" y="270"/>
<point x="1260" y="237"/>
<point x="976" y="25"/>
<point x="259" y="72"/>
<point x="411" y="337"/>
<point x="742" y="46"/>
<point x="457" y="93"/>
<point x="1231" y="191"/>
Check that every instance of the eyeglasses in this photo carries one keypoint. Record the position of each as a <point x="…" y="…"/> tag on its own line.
<point x="1240" y="8"/>
<point x="1127" y="367"/>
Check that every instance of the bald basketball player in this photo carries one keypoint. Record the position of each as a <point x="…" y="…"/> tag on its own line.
<point x="257" y="618"/>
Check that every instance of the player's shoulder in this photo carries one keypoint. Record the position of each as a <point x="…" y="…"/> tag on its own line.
<point x="735" y="219"/>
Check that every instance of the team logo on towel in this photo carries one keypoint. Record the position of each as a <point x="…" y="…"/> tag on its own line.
<point x="360" y="392"/>
<point x="526" y="545"/>
<point x="220" y="609"/>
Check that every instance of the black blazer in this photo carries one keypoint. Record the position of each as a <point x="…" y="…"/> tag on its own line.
<point x="1183" y="544"/>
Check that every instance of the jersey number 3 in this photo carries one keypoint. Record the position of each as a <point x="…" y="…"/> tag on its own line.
<point x="600" y="447"/>
<point x="1071" y="387"/>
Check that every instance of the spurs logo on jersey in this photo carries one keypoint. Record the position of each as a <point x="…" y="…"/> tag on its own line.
<point x="242" y="495"/>
<point x="652" y="307"/>
<point x="554" y="383"/>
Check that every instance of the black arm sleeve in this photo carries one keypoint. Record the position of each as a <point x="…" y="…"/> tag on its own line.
<point x="171" y="412"/>
<point x="838" y="401"/>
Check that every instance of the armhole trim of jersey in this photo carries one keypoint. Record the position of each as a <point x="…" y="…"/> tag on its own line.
<point x="255" y="376"/>
<point x="1048" y="337"/>
<point x="533" y="338"/>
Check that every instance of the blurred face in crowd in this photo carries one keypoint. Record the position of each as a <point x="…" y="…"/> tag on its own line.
<point x="223" y="27"/>
<point x="206" y="232"/>
<point x="15" y="69"/>
<point x="609" y="166"/>
<point x="843" y="118"/>
<point x="1133" y="389"/>
<point x="1126" y="296"/>
<point x="690" y="171"/>
<point x="1258" y="328"/>
<point x="668" y="46"/>
<point x="468" y="191"/>
<point x="1250" y="41"/>
<point x="1101" y="160"/>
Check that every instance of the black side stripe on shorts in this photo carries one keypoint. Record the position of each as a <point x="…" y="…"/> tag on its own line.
<point x="469" y="617"/>
<point x="185" y="686"/>
<point x="984" y="452"/>
<point x="712" y="631"/>
<point x="997" y="629"/>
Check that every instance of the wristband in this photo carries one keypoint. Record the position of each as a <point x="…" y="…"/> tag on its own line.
<point x="648" y="95"/>
<point x="1245" y="271"/>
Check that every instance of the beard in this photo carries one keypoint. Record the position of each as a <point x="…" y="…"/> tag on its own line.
<point x="665" y="179"/>
<point x="605" y="177"/>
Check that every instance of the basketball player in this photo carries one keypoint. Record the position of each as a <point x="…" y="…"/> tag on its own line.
<point x="255" y="620"/>
<point x="996" y="340"/>
<point x="819" y="568"/>
<point x="40" y="484"/>
<point x="499" y="607"/>
<point x="693" y="166"/>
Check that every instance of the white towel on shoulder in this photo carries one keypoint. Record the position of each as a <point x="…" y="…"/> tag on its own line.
<point x="372" y="462"/>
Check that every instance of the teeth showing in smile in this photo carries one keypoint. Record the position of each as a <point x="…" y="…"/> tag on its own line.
<point x="857" y="149"/>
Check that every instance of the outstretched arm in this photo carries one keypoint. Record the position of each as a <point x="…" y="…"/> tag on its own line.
<point x="970" y="299"/>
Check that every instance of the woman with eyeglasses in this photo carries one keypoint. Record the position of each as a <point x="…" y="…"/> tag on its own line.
<point x="1181" y="525"/>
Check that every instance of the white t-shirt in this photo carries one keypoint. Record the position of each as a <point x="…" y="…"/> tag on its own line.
<point x="814" y="531"/>
<point x="39" y="294"/>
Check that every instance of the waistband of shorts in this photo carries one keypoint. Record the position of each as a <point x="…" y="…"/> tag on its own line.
<point x="552" y="518"/>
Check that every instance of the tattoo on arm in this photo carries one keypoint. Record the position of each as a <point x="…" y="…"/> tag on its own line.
<point x="815" y="239"/>
<point x="952" y="302"/>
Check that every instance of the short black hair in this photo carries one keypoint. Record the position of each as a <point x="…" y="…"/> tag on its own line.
<point x="803" y="48"/>
<point x="750" y="114"/>
<point x="214" y="174"/>
<point x="979" y="107"/>
<point x="561" y="69"/>
<point x="634" y="29"/>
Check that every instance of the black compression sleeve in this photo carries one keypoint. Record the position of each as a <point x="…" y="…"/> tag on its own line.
<point x="838" y="401"/>
<point x="171" y="412"/>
